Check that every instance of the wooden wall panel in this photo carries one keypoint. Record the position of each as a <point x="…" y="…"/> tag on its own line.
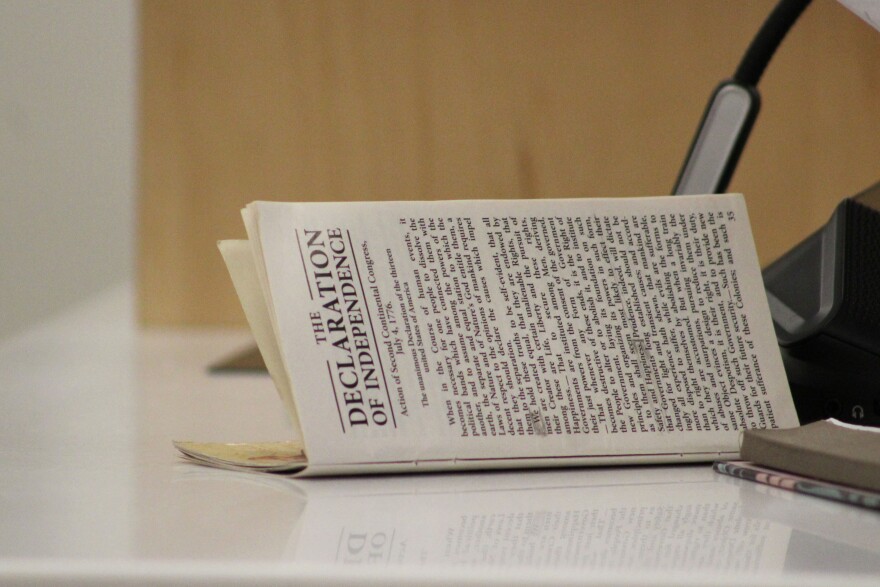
<point x="401" y="100"/>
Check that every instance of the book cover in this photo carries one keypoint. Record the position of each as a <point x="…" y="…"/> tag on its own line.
<point x="829" y="450"/>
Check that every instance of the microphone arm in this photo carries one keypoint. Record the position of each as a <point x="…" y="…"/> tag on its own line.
<point x="733" y="108"/>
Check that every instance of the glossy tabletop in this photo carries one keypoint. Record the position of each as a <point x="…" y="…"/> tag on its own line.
<point x="91" y="491"/>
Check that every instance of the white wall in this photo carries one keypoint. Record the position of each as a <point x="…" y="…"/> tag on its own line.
<point x="67" y="153"/>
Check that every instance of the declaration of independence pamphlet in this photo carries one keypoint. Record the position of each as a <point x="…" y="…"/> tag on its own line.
<point x="417" y="336"/>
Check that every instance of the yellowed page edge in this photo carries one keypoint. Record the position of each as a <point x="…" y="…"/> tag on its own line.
<point x="242" y="269"/>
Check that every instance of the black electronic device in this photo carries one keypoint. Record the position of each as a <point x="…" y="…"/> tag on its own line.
<point x="824" y="294"/>
<point x="824" y="297"/>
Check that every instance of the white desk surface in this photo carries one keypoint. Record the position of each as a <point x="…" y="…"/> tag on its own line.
<point x="91" y="491"/>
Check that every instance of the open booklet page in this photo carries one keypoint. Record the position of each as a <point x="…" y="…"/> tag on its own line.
<point x="485" y="333"/>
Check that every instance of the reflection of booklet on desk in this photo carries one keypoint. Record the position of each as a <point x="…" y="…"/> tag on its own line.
<point x="608" y="520"/>
<point x="417" y="336"/>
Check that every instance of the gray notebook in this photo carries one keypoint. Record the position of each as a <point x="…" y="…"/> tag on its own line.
<point x="828" y="450"/>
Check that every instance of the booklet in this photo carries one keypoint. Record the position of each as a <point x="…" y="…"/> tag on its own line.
<point x="422" y="336"/>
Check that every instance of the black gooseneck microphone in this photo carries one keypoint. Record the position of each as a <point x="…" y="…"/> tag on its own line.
<point x="732" y="109"/>
<point x="824" y="294"/>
